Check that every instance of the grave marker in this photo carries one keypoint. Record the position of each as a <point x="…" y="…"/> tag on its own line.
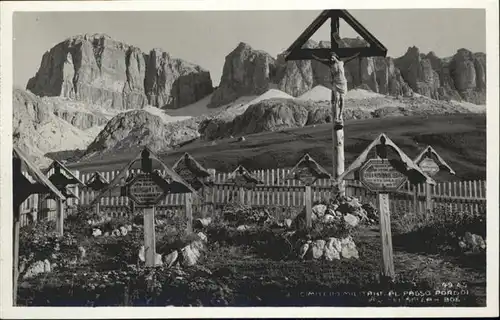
<point x="431" y="163"/>
<point x="384" y="175"/>
<point x="22" y="188"/>
<point x="243" y="179"/>
<point x="62" y="177"/>
<point x="146" y="189"/>
<point x="195" y="174"/>
<point x="97" y="182"/>
<point x="308" y="171"/>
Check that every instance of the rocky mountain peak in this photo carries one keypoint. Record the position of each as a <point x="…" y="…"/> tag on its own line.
<point x="246" y="72"/>
<point x="96" y="69"/>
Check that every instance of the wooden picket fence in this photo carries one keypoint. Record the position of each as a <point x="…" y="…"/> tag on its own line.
<point x="278" y="192"/>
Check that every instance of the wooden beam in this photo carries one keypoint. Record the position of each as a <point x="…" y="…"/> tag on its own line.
<point x="310" y="30"/>
<point x="386" y="236"/>
<point x="15" y="270"/>
<point x="189" y="212"/>
<point x="362" y="31"/>
<point x="324" y="53"/>
<point x="308" y="202"/>
<point x="149" y="236"/>
<point x="60" y="217"/>
<point x="337" y="132"/>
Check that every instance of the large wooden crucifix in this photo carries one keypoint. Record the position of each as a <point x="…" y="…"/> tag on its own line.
<point x="334" y="57"/>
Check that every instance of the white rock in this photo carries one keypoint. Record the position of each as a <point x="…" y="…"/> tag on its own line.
<point x="242" y="228"/>
<point x="202" y="236"/>
<point x="202" y="223"/>
<point x="349" y="249"/>
<point x="303" y="250"/>
<point x="171" y="258"/>
<point x="317" y="249"/>
<point x="83" y="252"/>
<point x="36" y="268"/>
<point x="123" y="231"/>
<point x="141" y="254"/>
<point x="328" y="218"/>
<point x="351" y="220"/>
<point x="319" y="210"/>
<point x="462" y="245"/>
<point x="198" y="245"/>
<point x="331" y="253"/>
<point x="196" y="251"/>
<point x="189" y="257"/>
<point x="96" y="232"/>
<point x="336" y="243"/>
<point x="46" y="265"/>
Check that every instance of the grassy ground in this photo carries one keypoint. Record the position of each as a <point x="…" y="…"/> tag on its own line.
<point x="291" y="282"/>
<point x="258" y="267"/>
<point x="460" y="139"/>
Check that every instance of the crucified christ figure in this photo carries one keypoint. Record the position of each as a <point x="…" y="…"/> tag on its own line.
<point x="339" y="88"/>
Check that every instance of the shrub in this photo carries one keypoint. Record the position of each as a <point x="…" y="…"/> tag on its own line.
<point x="39" y="241"/>
<point x="440" y="231"/>
<point x="239" y="214"/>
<point x="130" y="286"/>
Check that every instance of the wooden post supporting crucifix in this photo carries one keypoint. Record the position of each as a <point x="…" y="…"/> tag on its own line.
<point x="308" y="171"/>
<point x="333" y="57"/>
<point x="22" y="189"/>
<point x="382" y="175"/>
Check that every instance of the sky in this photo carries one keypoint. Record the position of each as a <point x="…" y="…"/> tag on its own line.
<point x="205" y="38"/>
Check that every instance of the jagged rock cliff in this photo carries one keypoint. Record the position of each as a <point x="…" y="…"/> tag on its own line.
<point x="100" y="70"/>
<point x="246" y="72"/>
<point x="461" y="77"/>
<point x="174" y="83"/>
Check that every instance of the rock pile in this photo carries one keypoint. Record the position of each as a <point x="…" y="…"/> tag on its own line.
<point x="188" y="255"/>
<point x="329" y="249"/>
<point x="121" y="231"/>
<point x="472" y="242"/>
<point x="37" y="268"/>
<point x="343" y="210"/>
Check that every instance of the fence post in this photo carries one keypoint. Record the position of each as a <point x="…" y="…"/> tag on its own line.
<point x="60" y="216"/>
<point x="242" y="195"/>
<point x="415" y="199"/>
<point x="189" y="212"/>
<point x="308" y="203"/>
<point x="428" y="199"/>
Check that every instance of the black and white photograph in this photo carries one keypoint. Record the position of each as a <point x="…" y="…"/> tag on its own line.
<point x="264" y="157"/>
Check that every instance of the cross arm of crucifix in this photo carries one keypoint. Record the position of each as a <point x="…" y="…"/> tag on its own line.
<point x="328" y="61"/>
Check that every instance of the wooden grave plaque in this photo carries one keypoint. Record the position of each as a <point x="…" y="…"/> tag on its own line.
<point x="308" y="171"/>
<point x="385" y="175"/>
